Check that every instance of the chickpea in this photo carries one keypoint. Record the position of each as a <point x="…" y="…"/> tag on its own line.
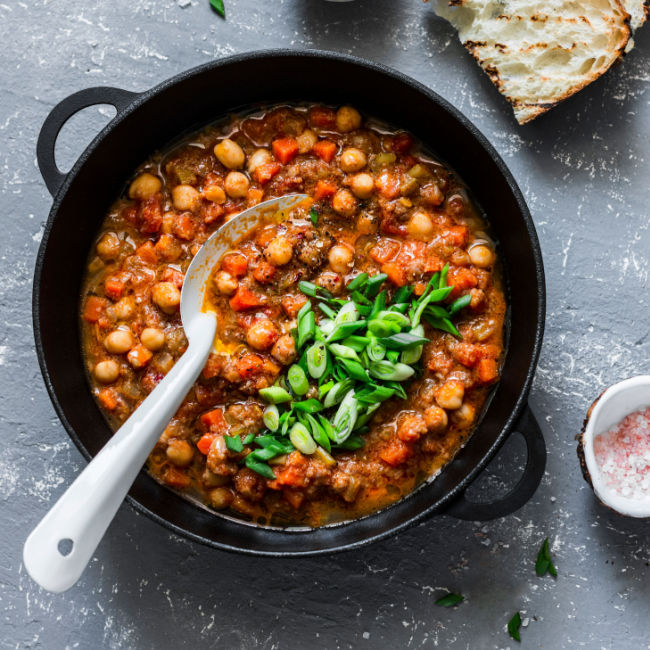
<point x="362" y="185"/>
<point x="450" y="394"/>
<point x="230" y="154"/>
<point x="367" y="224"/>
<point x="420" y="226"/>
<point x="284" y="349"/>
<point x="333" y="282"/>
<point x="167" y="296"/>
<point x="107" y="371"/>
<point x="347" y="119"/>
<point x="179" y="452"/>
<point x="119" y="341"/>
<point x="236" y="185"/>
<point x="306" y="140"/>
<point x="352" y="160"/>
<point x="464" y="416"/>
<point x="341" y="258"/>
<point x="436" y="419"/>
<point x="144" y="186"/>
<point x="257" y="158"/>
<point x="481" y="256"/>
<point x="220" y="497"/>
<point x="262" y="334"/>
<point x="124" y="308"/>
<point x="278" y="251"/>
<point x="214" y="193"/>
<point x="185" y="197"/>
<point x="108" y="247"/>
<point x="459" y="257"/>
<point x="344" y="203"/>
<point x="152" y="338"/>
<point x="225" y="283"/>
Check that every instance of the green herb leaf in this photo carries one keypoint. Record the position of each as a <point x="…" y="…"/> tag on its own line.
<point x="513" y="627"/>
<point x="544" y="561"/>
<point x="217" y="5"/>
<point x="313" y="216"/>
<point x="450" y="599"/>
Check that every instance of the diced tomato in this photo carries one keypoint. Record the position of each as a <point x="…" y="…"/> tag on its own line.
<point x="249" y="365"/>
<point x="114" y="287"/>
<point x="388" y="184"/>
<point x="487" y="370"/>
<point x="292" y="304"/>
<point x="203" y="445"/>
<point x="384" y="250"/>
<point x="324" y="189"/>
<point x="139" y="356"/>
<point x="264" y="272"/>
<point x="147" y="253"/>
<point x="396" y="273"/>
<point x="294" y="473"/>
<point x="325" y="150"/>
<point x="294" y="497"/>
<point x="172" y="275"/>
<point x="456" y="235"/>
<point x="235" y="264"/>
<point x="419" y="288"/>
<point x="175" y="478"/>
<point x="396" y="453"/>
<point x="402" y="143"/>
<point x="254" y="196"/>
<point x="466" y="353"/>
<point x="264" y="173"/>
<point x="183" y="226"/>
<point x="94" y="308"/>
<point x="244" y="299"/>
<point x="321" y="117"/>
<point x="432" y="264"/>
<point x="285" y="149"/>
<point x="461" y="279"/>
<point x="108" y="399"/>
<point x="214" y="420"/>
<point x="151" y="215"/>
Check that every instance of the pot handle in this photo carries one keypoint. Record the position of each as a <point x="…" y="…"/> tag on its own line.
<point x="60" y="114"/>
<point x="527" y="427"/>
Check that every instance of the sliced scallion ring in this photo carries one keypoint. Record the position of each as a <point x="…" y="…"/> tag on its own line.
<point x="301" y="439"/>
<point x="271" y="417"/>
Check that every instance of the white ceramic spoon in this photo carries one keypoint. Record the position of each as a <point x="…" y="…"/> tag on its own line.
<point x="81" y="516"/>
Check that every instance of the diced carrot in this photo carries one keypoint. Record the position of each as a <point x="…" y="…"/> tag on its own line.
<point x="211" y="212"/>
<point x="324" y="189"/>
<point x="203" y="445"/>
<point x="292" y="304"/>
<point x="419" y="288"/>
<point x="183" y="226"/>
<point x="461" y="279"/>
<point x="254" y="196"/>
<point x="388" y="184"/>
<point x="108" y="399"/>
<point x="264" y="272"/>
<point x="294" y="497"/>
<point x="432" y="263"/>
<point x="235" y="263"/>
<point x="285" y="149"/>
<point x="395" y="453"/>
<point x="466" y="353"/>
<point x="151" y="215"/>
<point x="323" y="118"/>
<point x="114" y="288"/>
<point x="325" y="150"/>
<point x="244" y="299"/>
<point x="384" y="250"/>
<point x="172" y="275"/>
<point x="94" y="308"/>
<point x="294" y="473"/>
<point x="487" y="370"/>
<point x="489" y="351"/>
<point x="264" y="173"/>
<point x="396" y="273"/>
<point x="402" y="143"/>
<point x="147" y="253"/>
<point x="249" y="365"/>
<point x="214" y="420"/>
<point x="139" y="356"/>
<point x="175" y="477"/>
<point x="456" y="235"/>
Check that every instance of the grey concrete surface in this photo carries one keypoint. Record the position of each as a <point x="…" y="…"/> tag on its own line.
<point x="584" y="170"/>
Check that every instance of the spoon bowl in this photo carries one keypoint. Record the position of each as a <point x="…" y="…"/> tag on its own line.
<point x="59" y="548"/>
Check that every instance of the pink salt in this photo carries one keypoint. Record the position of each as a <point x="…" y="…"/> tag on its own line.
<point x="623" y="454"/>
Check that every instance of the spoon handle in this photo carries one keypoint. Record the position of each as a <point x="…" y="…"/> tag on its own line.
<point x="81" y="516"/>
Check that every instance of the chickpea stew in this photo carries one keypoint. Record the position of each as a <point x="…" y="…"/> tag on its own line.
<point x="358" y="339"/>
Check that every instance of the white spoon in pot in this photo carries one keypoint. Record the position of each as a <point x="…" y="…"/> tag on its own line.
<point x="59" y="548"/>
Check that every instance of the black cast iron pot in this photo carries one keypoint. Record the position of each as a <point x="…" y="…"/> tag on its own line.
<point x="146" y="122"/>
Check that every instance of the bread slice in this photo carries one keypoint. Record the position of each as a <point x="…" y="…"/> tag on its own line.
<point x="639" y="11"/>
<point x="540" y="53"/>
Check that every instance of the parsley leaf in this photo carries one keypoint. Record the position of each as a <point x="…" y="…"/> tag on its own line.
<point x="313" y="215"/>
<point x="450" y="599"/>
<point x="513" y="627"/>
<point x="544" y="561"/>
<point x="217" y="5"/>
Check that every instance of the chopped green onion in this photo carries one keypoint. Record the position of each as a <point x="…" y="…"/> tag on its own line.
<point x="360" y="299"/>
<point x="345" y="417"/>
<point x="352" y="443"/>
<point x="357" y="343"/>
<point x="383" y="328"/>
<point x="374" y="284"/>
<point x="513" y="627"/>
<point x="358" y="283"/>
<point x="324" y="389"/>
<point x="403" y="341"/>
<point x="248" y="439"/>
<point x="376" y="351"/>
<point x="443" y="324"/>
<point x="271" y="417"/>
<point x="392" y="356"/>
<point x="326" y="326"/>
<point x="261" y="468"/>
<point x="297" y="379"/>
<point x="337" y="393"/>
<point x="378" y="306"/>
<point x="217" y="5"/>
<point x="303" y="310"/>
<point x="316" y="360"/>
<point x="327" y="310"/>
<point x="234" y="443"/>
<point x="343" y="351"/>
<point x="460" y="303"/>
<point x="306" y="328"/>
<point x="449" y="600"/>
<point x="362" y="420"/>
<point x="301" y="439"/>
<point x="318" y="433"/>
<point x="313" y="290"/>
<point x="412" y="355"/>
<point x="347" y="314"/>
<point x="391" y="371"/>
<point x="313" y="216"/>
<point x="354" y="369"/>
<point x="374" y="394"/>
<point x="443" y="276"/>
<point x="275" y="395"/>
<point x="402" y="294"/>
<point x="308" y="406"/>
<point x="344" y="330"/>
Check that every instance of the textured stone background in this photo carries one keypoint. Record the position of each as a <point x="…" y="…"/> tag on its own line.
<point x="584" y="170"/>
